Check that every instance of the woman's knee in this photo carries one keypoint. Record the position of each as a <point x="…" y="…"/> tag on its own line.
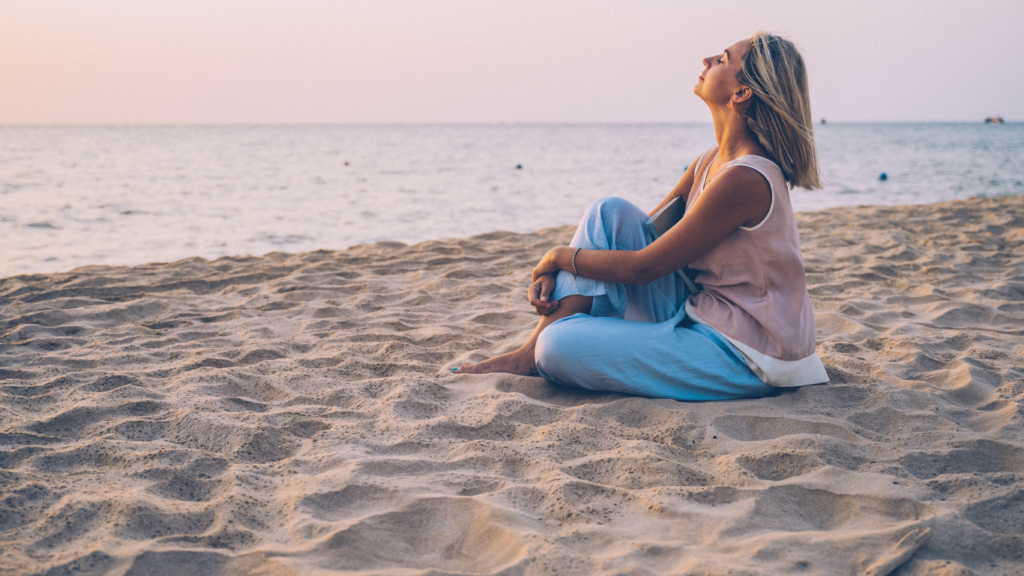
<point x="608" y="207"/>
<point x="554" y="347"/>
<point x="618" y="220"/>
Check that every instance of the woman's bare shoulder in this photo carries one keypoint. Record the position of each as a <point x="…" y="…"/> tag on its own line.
<point x="745" y="190"/>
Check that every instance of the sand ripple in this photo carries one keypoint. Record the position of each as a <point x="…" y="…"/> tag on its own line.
<point x="293" y="414"/>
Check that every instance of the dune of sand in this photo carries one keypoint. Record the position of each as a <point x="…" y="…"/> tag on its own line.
<point x="295" y="414"/>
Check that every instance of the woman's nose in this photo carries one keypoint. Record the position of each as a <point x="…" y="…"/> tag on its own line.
<point x="706" y="62"/>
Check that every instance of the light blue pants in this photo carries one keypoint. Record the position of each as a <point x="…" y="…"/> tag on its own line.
<point x="637" y="339"/>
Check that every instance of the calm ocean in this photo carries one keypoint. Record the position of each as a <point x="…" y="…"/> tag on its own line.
<point x="71" y="196"/>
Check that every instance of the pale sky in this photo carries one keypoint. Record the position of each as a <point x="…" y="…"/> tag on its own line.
<point x="368" y="61"/>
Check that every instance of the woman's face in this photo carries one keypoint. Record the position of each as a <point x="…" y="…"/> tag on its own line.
<point x="718" y="83"/>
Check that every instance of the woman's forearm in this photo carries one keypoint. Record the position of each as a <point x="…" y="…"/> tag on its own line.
<point x="618" y="266"/>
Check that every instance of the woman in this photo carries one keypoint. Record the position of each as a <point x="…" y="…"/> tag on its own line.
<point x="751" y="327"/>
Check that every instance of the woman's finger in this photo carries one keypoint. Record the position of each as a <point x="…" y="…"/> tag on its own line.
<point x="546" y="286"/>
<point x="540" y="291"/>
<point x="546" y="308"/>
<point x="533" y="294"/>
<point x="545" y="305"/>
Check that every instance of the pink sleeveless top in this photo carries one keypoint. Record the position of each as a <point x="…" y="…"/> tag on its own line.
<point x="754" y="288"/>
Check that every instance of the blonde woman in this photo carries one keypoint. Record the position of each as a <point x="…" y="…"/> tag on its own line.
<point x="616" y="315"/>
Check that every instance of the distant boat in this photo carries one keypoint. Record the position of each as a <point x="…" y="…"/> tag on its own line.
<point x="994" y="120"/>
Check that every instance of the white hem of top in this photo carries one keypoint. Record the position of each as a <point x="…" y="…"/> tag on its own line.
<point x="772" y="371"/>
<point x="771" y="206"/>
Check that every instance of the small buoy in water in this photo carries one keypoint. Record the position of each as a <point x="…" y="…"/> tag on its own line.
<point x="883" y="176"/>
<point x="346" y="163"/>
<point x="685" y="168"/>
<point x="519" y="166"/>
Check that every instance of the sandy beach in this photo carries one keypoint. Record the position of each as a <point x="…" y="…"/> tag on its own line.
<point x="295" y="414"/>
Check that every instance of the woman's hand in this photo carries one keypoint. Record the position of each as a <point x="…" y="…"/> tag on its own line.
<point x="547" y="264"/>
<point x="540" y="295"/>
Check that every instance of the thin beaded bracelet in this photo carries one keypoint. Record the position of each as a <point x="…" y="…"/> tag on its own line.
<point x="575" y="272"/>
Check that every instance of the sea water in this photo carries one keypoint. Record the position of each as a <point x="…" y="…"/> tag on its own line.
<point x="124" y="195"/>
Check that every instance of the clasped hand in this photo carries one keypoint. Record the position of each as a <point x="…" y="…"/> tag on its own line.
<point x="544" y="284"/>
<point x="540" y="295"/>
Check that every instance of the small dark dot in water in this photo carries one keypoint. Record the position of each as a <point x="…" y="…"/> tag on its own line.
<point x="519" y="166"/>
<point x="714" y="437"/>
<point x="346" y="163"/>
<point x="883" y="176"/>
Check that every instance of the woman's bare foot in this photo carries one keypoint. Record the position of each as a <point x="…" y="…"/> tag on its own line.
<point x="522" y="361"/>
<point x="519" y="362"/>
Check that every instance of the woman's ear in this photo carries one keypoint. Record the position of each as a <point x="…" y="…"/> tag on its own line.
<point x="741" y="98"/>
<point x="742" y="94"/>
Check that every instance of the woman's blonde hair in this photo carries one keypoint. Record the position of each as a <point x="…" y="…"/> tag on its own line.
<point x="780" y="114"/>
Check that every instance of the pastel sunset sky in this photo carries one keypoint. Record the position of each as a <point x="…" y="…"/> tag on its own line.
<point x="367" y="61"/>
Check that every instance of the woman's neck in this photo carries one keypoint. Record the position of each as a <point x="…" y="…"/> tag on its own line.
<point x="732" y="133"/>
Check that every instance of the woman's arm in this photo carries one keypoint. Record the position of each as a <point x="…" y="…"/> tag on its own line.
<point x="682" y="189"/>
<point x="736" y="197"/>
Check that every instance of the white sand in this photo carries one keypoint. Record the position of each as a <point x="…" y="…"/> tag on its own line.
<point x="294" y="414"/>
